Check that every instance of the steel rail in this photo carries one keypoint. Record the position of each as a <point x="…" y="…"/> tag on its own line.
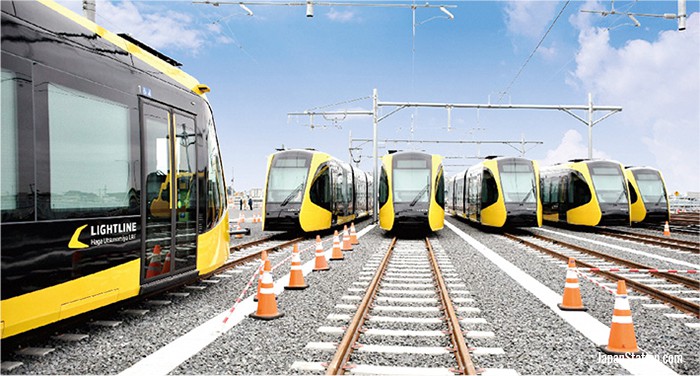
<point x="679" y="303"/>
<point x="352" y="334"/>
<point x="688" y="282"/>
<point x="238" y="247"/>
<point x="250" y="257"/>
<point x="464" y="360"/>
<point x="685" y="245"/>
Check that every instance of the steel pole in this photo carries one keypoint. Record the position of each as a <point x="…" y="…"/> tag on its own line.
<point x="375" y="181"/>
<point x="590" y="126"/>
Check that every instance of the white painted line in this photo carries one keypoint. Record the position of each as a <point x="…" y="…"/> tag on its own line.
<point x="479" y="334"/>
<point x="331" y="329"/>
<point x="365" y="369"/>
<point x="405" y="309"/>
<point x="488" y="351"/>
<point x="407" y="292"/>
<point x="170" y="356"/>
<point x="406" y="300"/>
<point x="338" y="316"/>
<point x="634" y="251"/>
<point x="583" y="322"/>
<point x="308" y="366"/>
<point x="408" y="320"/>
<point x="384" y="349"/>
<point x="678" y="315"/>
<point x="321" y="346"/>
<point x="473" y="320"/>
<point x="404" y="333"/>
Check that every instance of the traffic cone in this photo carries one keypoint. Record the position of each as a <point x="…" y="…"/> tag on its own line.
<point x="238" y="228"/>
<point x="267" y="303"/>
<point x="155" y="265"/>
<point x="667" y="230"/>
<point x="263" y="257"/>
<point x="242" y="218"/>
<point x="622" y="340"/>
<point x="296" y="277"/>
<point x="166" y="264"/>
<point x="320" y="263"/>
<point x="346" y="240"/>
<point x="571" y="301"/>
<point x="337" y="252"/>
<point x="353" y="234"/>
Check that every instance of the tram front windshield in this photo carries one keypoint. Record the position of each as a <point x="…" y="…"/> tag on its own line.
<point x="651" y="187"/>
<point x="609" y="184"/>
<point x="517" y="181"/>
<point x="287" y="179"/>
<point x="411" y="181"/>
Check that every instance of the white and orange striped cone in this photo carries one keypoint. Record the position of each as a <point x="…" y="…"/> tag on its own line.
<point x="267" y="303"/>
<point x="296" y="277"/>
<point x="263" y="257"/>
<point x="353" y="234"/>
<point x="238" y="228"/>
<point x="571" y="300"/>
<point x="337" y="253"/>
<point x="347" y="246"/>
<point x="155" y="266"/>
<point x="320" y="263"/>
<point x="622" y="340"/>
<point x="667" y="230"/>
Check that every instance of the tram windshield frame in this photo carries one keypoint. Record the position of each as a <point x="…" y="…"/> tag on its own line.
<point x="411" y="180"/>
<point x="609" y="183"/>
<point x="287" y="179"/>
<point x="517" y="181"/>
<point x="651" y="187"/>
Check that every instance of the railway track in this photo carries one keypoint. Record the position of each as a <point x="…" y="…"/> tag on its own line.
<point x="406" y="291"/>
<point x="583" y="255"/>
<point x="243" y="253"/>
<point x="685" y="245"/>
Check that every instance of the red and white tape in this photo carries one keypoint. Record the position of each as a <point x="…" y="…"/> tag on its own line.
<point x="620" y="270"/>
<point x="589" y="279"/>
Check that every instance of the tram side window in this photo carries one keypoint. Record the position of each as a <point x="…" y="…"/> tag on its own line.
<point x="579" y="194"/>
<point x="320" y="193"/>
<point x="489" y="189"/>
<point x="9" y="168"/>
<point x="89" y="153"/>
<point x="440" y="192"/>
<point x="217" y="190"/>
<point x="383" y="188"/>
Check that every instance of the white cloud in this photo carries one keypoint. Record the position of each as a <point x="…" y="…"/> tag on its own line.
<point x="157" y="27"/>
<point x="572" y="146"/>
<point x="341" y="16"/>
<point x="529" y="18"/>
<point x="658" y="85"/>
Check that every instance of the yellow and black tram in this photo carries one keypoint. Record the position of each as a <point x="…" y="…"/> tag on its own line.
<point x="307" y="190"/>
<point x="112" y="185"/>
<point x="585" y="192"/>
<point x="648" y="196"/>
<point x="497" y="192"/>
<point x="411" y="191"/>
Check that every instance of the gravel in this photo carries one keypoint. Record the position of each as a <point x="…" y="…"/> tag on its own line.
<point x="656" y="333"/>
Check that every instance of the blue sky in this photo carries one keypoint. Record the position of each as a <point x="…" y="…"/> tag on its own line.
<point x="277" y="61"/>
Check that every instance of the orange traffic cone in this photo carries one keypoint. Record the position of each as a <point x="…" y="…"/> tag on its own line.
<point x="242" y="218"/>
<point x="622" y="340"/>
<point x="667" y="230"/>
<point x="263" y="257"/>
<point x="353" y="234"/>
<point x="347" y="246"/>
<point x="320" y="263"/>
<point x="296" y="277"/>
<point x="155" y="265"/>
<point x="337" y="252"/>
<point x="267" y="304"/>
<point x="571" y="301"/>
<point x="166" y="264"/>
<point x="238" y="228"/>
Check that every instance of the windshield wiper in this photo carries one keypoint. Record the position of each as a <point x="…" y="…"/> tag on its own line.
<point x="292" y="194"/>
<point x="526" y="197"/>
<point x="620" y="197"/>
<point x="420" y="194"/>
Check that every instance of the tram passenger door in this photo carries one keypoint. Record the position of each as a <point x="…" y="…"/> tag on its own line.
<point x="170" y="199"/>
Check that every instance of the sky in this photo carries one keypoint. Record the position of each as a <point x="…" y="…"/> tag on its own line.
<point x="277" y="61"/>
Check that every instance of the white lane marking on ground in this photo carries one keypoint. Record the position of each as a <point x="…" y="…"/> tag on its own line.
<point x="170" y="356"/>
<point x="583" y="322"/>
<point x="647" y="254"/>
